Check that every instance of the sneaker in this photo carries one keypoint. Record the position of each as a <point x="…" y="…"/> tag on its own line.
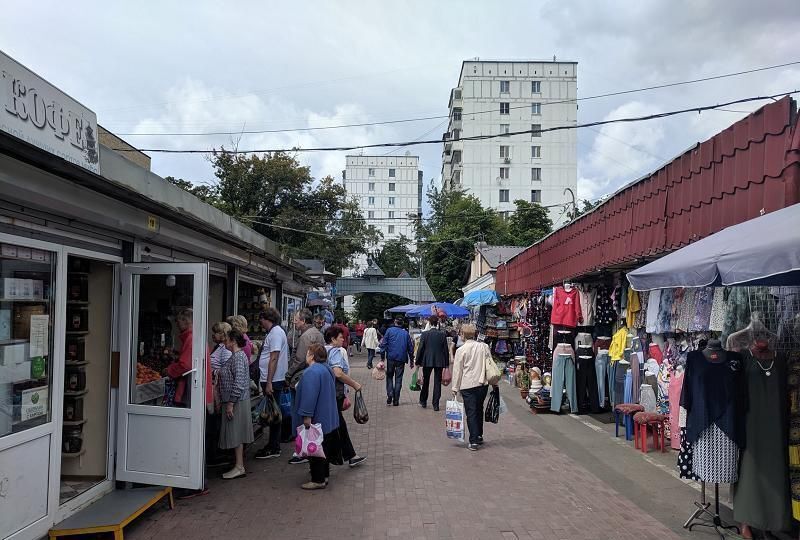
<point x="396" y="403"/>
<point x="389" y="400"/>
<point x="236" y="472"/>
<point x="313" y="485"/>
<point x="266" y="453"/>
<point x="356" y="461"/>
<point x="297" y="460"/>
<point x="436" y="408"/>
<point x="473" y="447"/>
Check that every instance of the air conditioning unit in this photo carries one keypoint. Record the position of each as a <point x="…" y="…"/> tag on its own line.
<point x="507" y="160"/>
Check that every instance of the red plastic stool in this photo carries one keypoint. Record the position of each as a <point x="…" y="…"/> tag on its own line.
<point x="644" y="420"/>
<point x="624" y="413"/>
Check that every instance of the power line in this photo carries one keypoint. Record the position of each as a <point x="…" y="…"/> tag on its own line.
<point x="423" y="118"/>
<point x="343" y="148"/>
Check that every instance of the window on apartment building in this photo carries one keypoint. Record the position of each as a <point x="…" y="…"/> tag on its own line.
<point x="503" y="195"/>
<point x="391" y="186"/>
<point x="456" y="134"/>
<point x="391" y="173"/>
<point x="391" y="214"/>
<point x="536" y="174"/>
<point x="536" y="130"/>
<point x="371" y="201"/>
<point x="504" y="172"/>
<point x="505" y="152"/>
<point x="536" y="152"/>
<point x="457" y="93"/>
<point x="370" y="214"/>
<point x="457" y="177"/>
<point x="391" y="201"/>
<point x="536" y="87"/>
<point x="371" y="172"/>
<point x="504" y="107"/>
<point x="504" y="87"/>
<point x="456" y="156"/>
<point x="457" y="113"/>
<point x="536" y="195"/>
<point x="504" y="129"/>
<point x="371" y="186"/>
<point x="536" y="108"/>
<point x="391" y="229"/>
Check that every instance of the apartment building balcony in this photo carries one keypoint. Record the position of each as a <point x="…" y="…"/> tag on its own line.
<point x="455" y="98"/>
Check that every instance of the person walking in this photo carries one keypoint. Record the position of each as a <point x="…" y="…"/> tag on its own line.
<point x="399" y="349"/>
<point x="316" y="403"/>
<point x="469" y="378"/>
<point x="273" y="365"/>
<point x="360" y="329"/>
<point x="234" y="391"/>
<point x="338" y="361"/>
<point x="370" y="342"/>
<point x="433" y="356"/>
<point x="306" y="324"/>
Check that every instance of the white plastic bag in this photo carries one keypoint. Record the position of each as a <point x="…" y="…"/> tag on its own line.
<point x="309" y="441"/>
<point x="503" y="406"/>
<point x="454" y="419"/>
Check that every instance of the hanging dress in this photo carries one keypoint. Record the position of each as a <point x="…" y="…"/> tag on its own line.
<point x="762" y="497"/>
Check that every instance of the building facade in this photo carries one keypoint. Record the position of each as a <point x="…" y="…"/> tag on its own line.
<point x="389" y="190"/>
<point x="498" y="97"/>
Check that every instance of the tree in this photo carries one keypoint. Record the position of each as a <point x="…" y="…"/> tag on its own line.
<point x="448" y="237"/>
<point x="586" y="205"/>
<point x="530" y="223"/>
<point x="205" y="193"/>
<point x="276" y="196"/>
<point x="393" y="259"/>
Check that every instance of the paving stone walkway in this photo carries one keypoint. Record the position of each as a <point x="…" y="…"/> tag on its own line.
<point x="416" y="484"/>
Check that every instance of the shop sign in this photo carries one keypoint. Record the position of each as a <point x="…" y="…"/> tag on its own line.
<point x="40" y="114"/>
<point x="34" y="403"/>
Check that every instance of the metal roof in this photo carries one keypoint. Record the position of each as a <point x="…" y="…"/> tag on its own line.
<point x="496" y="255"/>
<point x="750" y="168"/>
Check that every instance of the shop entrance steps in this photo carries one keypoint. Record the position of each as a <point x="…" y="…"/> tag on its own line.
<point x="112" y="512"/>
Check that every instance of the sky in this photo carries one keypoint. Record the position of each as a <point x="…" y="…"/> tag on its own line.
<point x="151" y="68"/>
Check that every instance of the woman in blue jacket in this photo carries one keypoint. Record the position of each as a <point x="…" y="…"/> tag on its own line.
<point x="316" y="404"/>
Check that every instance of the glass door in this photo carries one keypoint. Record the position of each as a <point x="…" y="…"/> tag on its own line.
<point x="163" y="365"/>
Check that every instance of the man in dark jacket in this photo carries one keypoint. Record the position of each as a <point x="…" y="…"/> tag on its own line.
<point x="399" y="349"/>
<point x="433" y="356"/>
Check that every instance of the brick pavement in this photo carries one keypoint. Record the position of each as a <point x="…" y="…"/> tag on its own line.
<point x="416" y="484"/>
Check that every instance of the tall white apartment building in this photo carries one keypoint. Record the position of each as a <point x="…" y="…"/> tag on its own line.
<point x="389" y="189"/>
<point x="499" y="97"/>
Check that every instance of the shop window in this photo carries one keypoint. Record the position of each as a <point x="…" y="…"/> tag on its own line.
<point x="27" y="293"/>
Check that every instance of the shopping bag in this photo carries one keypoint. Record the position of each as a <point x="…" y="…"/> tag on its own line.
<point x="454" y="420"/>
<point x="447" y="377"/>
<point x="492" y="412"/>
<point x="492" y="371"/>
<point x="360" y="414"/>
<point x="285" y="401"/>
<point x="308" y="442"/>
<point x="414" y="386"/>
<point x="503" y="407"/>
<point x="346" y="403"/>
<point x="269" y="413"/>
<point x="378" y="372"/>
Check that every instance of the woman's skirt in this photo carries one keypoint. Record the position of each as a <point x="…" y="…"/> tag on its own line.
<point x="239" y="429"/>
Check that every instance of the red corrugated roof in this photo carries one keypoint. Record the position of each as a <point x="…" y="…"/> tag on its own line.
<point x="752" y="166"/>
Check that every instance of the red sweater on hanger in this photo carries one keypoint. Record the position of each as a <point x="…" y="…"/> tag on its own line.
<point x="566" y="307"/>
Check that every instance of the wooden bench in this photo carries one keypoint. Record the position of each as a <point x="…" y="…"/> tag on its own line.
<point x="112" y="512"/>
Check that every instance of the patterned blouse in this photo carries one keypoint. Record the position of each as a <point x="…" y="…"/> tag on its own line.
<point x="234" y="378"/>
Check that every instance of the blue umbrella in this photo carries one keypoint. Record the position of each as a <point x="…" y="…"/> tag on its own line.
<point x="402" y="309"/>
<point x="451" y="310"/>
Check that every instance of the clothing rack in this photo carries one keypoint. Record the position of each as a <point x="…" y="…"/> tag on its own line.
<point x="715" y="521"/>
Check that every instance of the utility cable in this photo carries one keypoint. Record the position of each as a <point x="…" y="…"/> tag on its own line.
<point x="423" y="118"/>
<point x="343" y="148"/>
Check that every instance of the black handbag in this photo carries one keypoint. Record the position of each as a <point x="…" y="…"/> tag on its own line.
<point x="492" y="413"/>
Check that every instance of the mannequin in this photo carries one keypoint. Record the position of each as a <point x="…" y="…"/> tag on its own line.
<point x="762" y="498"/>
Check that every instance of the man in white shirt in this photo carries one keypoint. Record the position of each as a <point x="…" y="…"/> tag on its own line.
<point x="273" y="364"/>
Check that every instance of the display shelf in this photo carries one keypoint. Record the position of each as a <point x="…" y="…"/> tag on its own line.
<point x="77" y="302"/>
<point x="77" y="332"/>
<point x="25" y="300"/>
<point x="70" y="423"/>
<point x="79" y="393"/>
<point x="73" y="454"/>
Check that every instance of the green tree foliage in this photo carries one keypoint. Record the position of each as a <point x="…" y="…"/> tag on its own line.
<point x="457" y="222"/>
<point x="276" y="196"/>
<point x="585" y="206"/>
<point x="529" y="223"/>
<point x="394" y="258"/>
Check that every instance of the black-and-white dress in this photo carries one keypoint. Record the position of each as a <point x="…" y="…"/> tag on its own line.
<point x="685" y="455"/>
